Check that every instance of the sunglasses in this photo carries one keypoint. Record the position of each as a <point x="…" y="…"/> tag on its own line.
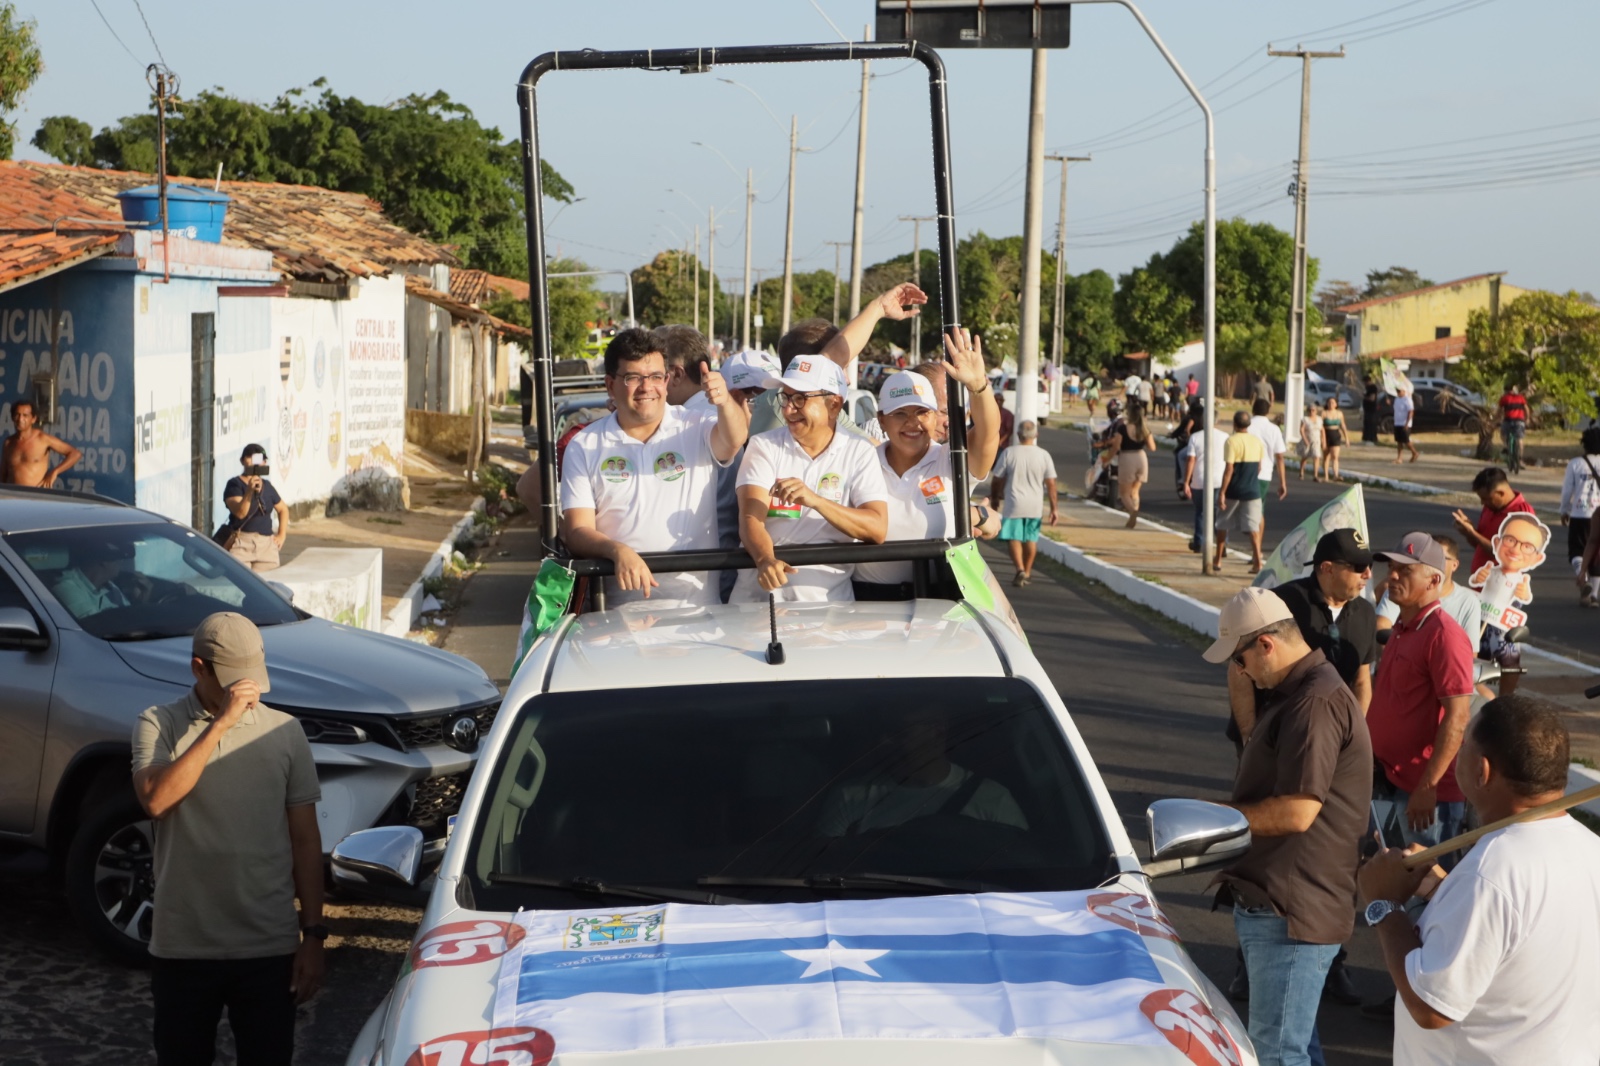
<point x="1238" y="656"/>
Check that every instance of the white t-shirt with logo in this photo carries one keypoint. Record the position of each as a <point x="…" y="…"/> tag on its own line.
<point x="846" y="472"/>
<point x="1267" y="432"/>
<point x="1511" y="951"/>
<point x="653" y="495"/>
<point x="921" y="507"/>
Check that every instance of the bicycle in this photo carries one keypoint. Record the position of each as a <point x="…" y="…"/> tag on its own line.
<point x="1511" y="453"/>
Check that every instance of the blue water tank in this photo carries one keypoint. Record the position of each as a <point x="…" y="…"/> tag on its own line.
<point x="196" y="213"/>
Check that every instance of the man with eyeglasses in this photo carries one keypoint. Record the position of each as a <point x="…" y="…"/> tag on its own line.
<point x="1303" y="783"/>
<point x="643" y="479"/>
<point x="1421" y="700"/>
<point x="807" y="482"/>
<point x="1338" y="621"/>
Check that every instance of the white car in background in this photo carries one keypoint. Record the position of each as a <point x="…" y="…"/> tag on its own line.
<point x="679" y="852"/>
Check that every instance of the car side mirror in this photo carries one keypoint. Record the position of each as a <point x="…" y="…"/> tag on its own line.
<point x="1516" y="634"/>
<point x="1187" y="835"/>
<point x="386" y="857"/>
<point x="20" y="629"/>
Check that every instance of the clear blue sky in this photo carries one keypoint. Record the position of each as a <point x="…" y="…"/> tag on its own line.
<point x="1478" y="80"/>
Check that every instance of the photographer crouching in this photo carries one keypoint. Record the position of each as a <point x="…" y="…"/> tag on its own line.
<point x="252" y="501"/>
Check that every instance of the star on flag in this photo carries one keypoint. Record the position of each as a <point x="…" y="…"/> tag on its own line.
<point x="837" y="957"/>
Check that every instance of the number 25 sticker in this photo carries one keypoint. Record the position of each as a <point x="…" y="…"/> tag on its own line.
<point x="1189" y="1026"/>
<point x="492" y="1047"/>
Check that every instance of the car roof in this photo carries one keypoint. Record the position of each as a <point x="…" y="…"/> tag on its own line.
<point x="24" y="510"/>
<point x="635" y="646"/>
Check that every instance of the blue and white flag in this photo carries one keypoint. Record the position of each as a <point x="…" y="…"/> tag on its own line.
<point x="1058" y="965"/>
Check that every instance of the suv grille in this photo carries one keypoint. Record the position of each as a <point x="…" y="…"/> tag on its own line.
<point x="436" y="799"/>
<point x="421" y="732"/>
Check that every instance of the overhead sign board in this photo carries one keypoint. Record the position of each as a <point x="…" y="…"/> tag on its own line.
<point x="976" y="23"/>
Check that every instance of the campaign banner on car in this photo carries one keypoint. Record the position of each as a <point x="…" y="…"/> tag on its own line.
<point x="1064" y="966"/>
<point x="1292" y="557"/>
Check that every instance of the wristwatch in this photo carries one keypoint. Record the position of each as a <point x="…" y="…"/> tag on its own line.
<point x="1379" y="909"/>
<point x="314" y="932"/>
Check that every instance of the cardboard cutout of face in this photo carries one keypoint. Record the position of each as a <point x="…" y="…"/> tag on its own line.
<point x="1503" y="586"/>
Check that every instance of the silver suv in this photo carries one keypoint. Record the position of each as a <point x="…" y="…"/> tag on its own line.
<point x="98" y="601"/>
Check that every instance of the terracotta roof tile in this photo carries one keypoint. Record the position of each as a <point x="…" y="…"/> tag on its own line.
<point x="314" y="234"/>
<point x="510" y="286"/>
<point x="420" y="288"/>
<point x="469" y="286"/>
<point x="1427" y="352"/>
<point x="1362" y="305"/>
<point x="42" y="231"/>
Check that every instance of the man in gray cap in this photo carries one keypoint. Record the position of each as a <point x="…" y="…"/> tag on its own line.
<point x="1304" y="781"/>
<point x="233" y="790"/>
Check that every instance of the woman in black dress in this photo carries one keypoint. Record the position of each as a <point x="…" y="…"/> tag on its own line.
<point x="1369" y="413"/>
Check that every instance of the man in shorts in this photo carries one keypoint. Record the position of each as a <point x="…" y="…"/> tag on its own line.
<point x="1243" y="456"/>
<point x="1405" y="413"/>
<point x="1023" y="477"/>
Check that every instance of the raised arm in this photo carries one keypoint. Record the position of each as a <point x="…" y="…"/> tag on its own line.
<point x="733" y="419"/>
<point x="853" y="338"/>
<point x="964" y="363"/>
<point x="160" y="788"/>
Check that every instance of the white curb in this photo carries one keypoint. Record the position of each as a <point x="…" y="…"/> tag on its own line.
<point x="404" y="615"/>
<point x="1416" y="488"/>
<point x="1181" y="608"/>
<point x="1581" y="777"/>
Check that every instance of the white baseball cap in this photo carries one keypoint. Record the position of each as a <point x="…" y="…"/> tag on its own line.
<point x="906" y="389"/>
<point x="815" y="373"/>
<point x="1250" y="609"/>
<point x="751" y="369"/>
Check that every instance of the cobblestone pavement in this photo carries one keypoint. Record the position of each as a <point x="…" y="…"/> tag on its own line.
<point x="63" y="1004"/>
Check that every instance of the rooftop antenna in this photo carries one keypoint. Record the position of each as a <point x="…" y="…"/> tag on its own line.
<point x="774" y="649"/>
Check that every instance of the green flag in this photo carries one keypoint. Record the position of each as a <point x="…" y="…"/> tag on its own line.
<point x="547" y="602"/>
<point x="978" y="586"/>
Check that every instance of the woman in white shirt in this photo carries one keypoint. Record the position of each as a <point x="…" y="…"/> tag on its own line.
<point x="1580" y="496"/>
<point x="917" y="470"/>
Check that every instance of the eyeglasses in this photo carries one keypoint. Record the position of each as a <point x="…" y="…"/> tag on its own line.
<point x="1238" y="656"/>
<point x="633" y="381"/>
<point x="1514" y="544"/>
<point x="798" y="399"/>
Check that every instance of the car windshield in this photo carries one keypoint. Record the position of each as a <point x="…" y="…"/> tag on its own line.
<point x="144" y="581"/>
<point x="800" y="791"/>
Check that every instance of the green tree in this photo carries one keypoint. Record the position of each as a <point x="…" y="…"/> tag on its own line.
<point x="435" y="169"/>
<point x="20" y="66"/>
<point x="663" y="291"/>
<point x="574" y="303"/>
<point x="1252" y="348"/>
<point x="67" y="139"/>
<point x="1153" y="315"/>
<point x="1392" y="282"/>
<point x="1091" y="336"/>
<point x="1547" y="343"/>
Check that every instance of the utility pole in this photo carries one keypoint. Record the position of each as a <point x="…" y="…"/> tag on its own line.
<point x="1294" y="386"/>
<point x="861" y="195"/>
<point x="916" y="277"/>
<point x="695" y="284"/>
<point x="1032" y="239"/>
<point x="788" y="229"/>
<point x="711" y="275"/>
<point x="836" y="246"/>
<point x="749" y="208"/>
<point x="758" y="319"/>
<point x="1057" y="333"/>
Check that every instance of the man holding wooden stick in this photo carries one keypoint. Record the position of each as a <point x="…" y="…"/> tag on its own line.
<point x="1502" y="966"/>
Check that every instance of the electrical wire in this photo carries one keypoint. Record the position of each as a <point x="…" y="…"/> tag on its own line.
<point x="96" y="5"/>
<point x="140" y="8"/>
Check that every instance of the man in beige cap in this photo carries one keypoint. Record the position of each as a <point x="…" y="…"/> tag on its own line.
<point x="1304" y="781"/>
<point x="232" y="787"/>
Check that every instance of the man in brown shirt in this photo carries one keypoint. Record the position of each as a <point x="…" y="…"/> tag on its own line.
<point x="1304" y="782"/>
<point x="233" y="790"/>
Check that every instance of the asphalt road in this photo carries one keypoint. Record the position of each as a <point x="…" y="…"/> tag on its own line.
<point x="1152" y="713"/>
<point x="1558" y="623"/>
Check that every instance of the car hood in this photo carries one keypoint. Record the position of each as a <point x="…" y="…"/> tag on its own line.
<point x="314" y="664"/>
<point x="998" y="978"/>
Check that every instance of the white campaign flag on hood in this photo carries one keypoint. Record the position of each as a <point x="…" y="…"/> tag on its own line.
<point x="1067" y="966"/>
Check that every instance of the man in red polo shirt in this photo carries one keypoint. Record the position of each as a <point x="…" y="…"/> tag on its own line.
<point x="1421" y="700"/>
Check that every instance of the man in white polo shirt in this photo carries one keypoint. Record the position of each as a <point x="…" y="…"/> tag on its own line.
<point x="917" y="471"/>
<point x="643" y="479"/>
<point x="807" y="482"/>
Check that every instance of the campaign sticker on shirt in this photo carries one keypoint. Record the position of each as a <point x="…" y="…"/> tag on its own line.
<point x="669" y="466"/>
<point x="1189" y="1026"/>
<point x="831" y="488"/>
<point x="522" y="1045"/>
<point x="1132" y="911"/>
<point x="615" y="469"/>
<point x="934" y="490"/>
<point x="465" y="943"/>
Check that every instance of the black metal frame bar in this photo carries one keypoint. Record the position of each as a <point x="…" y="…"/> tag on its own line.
<point x="700" y="60"/>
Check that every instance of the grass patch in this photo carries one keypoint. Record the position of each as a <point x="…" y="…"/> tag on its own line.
<point x="386" y="521"/>
<point x="1584" y="760"/>
<point x="1151" y="579"/>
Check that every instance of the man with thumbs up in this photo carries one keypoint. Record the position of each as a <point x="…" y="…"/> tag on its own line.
<point x="644" y="478"/>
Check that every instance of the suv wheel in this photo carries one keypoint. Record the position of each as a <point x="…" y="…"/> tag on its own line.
<point x="1472" y="424"/>
<point x="110" y="877"/>
<point x="1386" y="425"/>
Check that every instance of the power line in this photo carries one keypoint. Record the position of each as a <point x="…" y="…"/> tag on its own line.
<point x="119" y="40"/>
<point x="140" y="8"/>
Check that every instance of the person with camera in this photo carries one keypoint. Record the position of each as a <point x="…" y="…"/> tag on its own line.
<point x="252" y="501"/>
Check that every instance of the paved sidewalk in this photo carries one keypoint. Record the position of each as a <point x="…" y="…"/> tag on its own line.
<point x="1152" y="565"/>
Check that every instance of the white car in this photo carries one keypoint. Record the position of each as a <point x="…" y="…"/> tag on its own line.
<point x="892" y="847"/>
